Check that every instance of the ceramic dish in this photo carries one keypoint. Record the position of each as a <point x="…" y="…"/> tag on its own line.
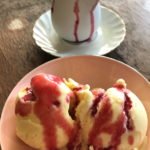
<point x="110" y="34"/>
<point x="96" y="71"/>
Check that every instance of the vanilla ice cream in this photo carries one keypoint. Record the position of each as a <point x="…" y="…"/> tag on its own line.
<point x="43" y="121"/>
<point x="112" y="119"/>
<point x="65" y="115"/>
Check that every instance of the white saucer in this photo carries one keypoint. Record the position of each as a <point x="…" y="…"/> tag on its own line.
<point x="110" y="34"/>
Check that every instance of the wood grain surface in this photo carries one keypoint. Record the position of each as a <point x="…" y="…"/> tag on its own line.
<point x="19" y="53"/>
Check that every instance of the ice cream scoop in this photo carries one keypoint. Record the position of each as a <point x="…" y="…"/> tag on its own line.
<point x="43" y="121"/>
<point x="62" y="114"/>
<point x="114" y="119"/>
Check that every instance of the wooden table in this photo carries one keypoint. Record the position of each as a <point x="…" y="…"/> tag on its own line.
<point x="19" y="53"/>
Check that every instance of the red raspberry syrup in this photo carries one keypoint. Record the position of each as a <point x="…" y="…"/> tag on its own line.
<point x="98" y="97"/>
<point x="23" y="105"/>
<point x="92" y="21"/>
<point x="131" y="140"/>
<point x="127" y="105"/>
<point x="74" y="101"/>
<point x="77" y="21"/>
<point x="48" y="108"/>
<point x="102" y="123"/>
<point x="46" y="91"/>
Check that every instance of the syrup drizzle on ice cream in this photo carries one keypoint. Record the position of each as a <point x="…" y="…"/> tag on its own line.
<point x="43" y="100"/>
<point x="47" y="107"/>
<point x="102" y="123"/>
<point x="46" y="89"/>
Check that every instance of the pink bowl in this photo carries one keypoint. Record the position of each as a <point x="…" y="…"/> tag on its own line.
<point x="96" y="71"/>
